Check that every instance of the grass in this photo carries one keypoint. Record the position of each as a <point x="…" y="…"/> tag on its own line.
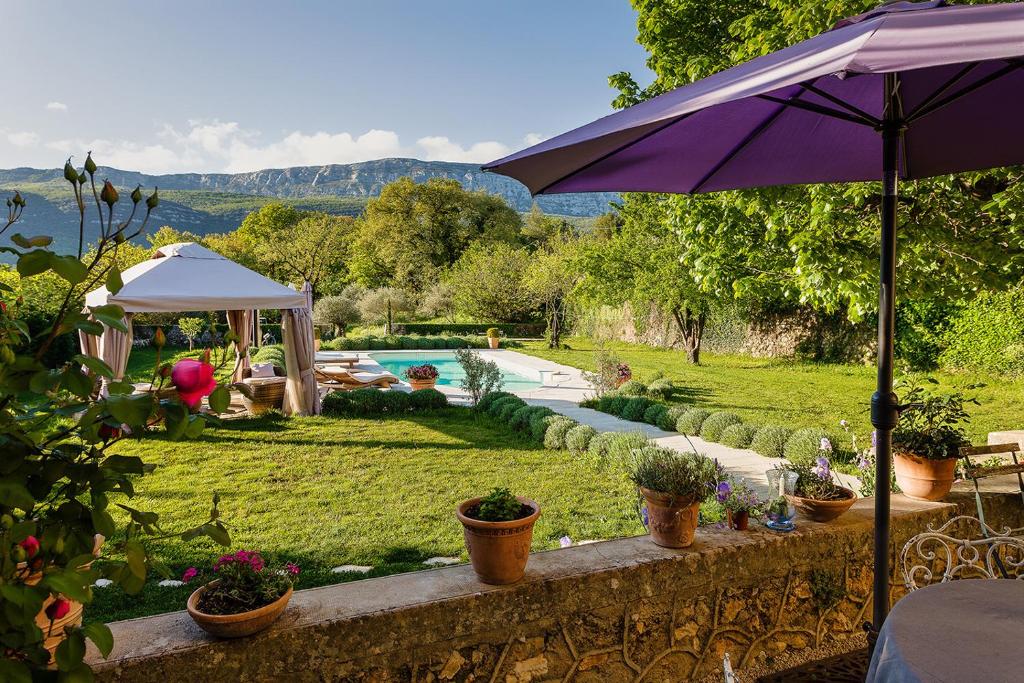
<point x="790" y="392"/>
<point x="325" y="492"/>
<point x="142" y="362"/>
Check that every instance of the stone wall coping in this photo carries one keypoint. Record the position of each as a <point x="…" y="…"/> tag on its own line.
<point x="362" y="601"/>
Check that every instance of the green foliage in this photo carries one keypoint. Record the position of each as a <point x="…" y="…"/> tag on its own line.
<point x="691" y="421"/>
<point x="578" y="439"/>
<point x="635" y="408"/>
<point x="661" y="389"/>
<point x="670" y="419"/>
<point x="242" y="582"/>
<point x="531" y="421"/>
<point x="539" y="426"/>
<point x="932" y="427"/>
<point x="490" y="397"/>
<point x="656" y="414"/>
<point x="804" y="447"/>
<point x="500" y="505"/>
<point x="738" y="435"/>
<point x="520" y="419"/>
<point x="622" y="445"/>
<point x="339" y="311"/>
<point x="599" y="446"/>
<point x="499" y="406"/>
<point x="427" y="399"/>
<point x="713" y="426"/>
<point x="508" y="408"/>
<point x="554" y="437"/>
<point x="374" y="402"/>
<point x="613" y="404"/>
<point x="690" y="476"/>
<point x="815" y="482"/>
<point x="482" y="376"/>
<point x="633" y="388"/>
<point x="393" y="343"/>
<point x="827" y="589"/>
<point x="488" y="283"/>
<point x="770" y="441"/>
<point x="191" y="328"/>
<point x="987" y="334"/>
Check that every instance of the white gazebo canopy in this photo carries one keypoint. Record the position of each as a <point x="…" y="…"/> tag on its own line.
<point x="189" y="277"/>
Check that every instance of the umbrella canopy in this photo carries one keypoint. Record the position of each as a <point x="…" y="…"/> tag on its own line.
<point x="190" y="277"/>
<point x="907" y="90"/>
<point x="809" y="113"/>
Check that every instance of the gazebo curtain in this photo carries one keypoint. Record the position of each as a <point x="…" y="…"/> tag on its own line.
<point x="301" y="395"/>
<point x="240" y="322"/>
<point x="112" y="347"/>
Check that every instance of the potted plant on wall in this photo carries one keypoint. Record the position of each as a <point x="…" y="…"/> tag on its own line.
<point x="673" y="485"/>
<point x="498" y="529"/>
<point x="243" y="596"/>
<point x="740" y="502"/>
<point x="492" y="337"/>
<point x="816" y="495"/>
<point x="421" y="376"/>
<point x="927" y="442"/>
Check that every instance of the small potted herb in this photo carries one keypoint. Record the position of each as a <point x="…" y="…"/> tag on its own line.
<point x="927" y="441"/>
<point x="421" y="376"/>
<point x="243" y="596"/>
<point x="623" y="374"/>
<point x="498" y="529"/>
<point x="816" y="495"/>
<point x="673" y="485"/>
<point x="740" y="502"/>
<point x="492" y="337"/>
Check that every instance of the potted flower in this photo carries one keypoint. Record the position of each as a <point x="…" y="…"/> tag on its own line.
<point x="927" y="442"/>
<point x="421" y="376"/>
<point x="673" y="485"/>
<point x="623" y="374"/>
<point x="740" y="501"/>
<point x="243" y="596"/>
<point x="815" y="494"/>
<point x="492" y="337"/>
<point x="498" y="529"/>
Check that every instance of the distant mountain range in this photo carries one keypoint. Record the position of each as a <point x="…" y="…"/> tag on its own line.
<point x="204" y="203"/>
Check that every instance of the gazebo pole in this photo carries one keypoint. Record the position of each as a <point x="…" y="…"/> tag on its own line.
<point x="884" y="404"/>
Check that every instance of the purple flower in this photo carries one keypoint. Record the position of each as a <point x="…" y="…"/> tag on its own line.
<point x="825" y="445"/>
<point x="644" y="517"/>
<point x="823" y="470"/>
<point x="723" y="491"/>
<point x="874" y="438"/>
<point x="565" y="542"/>
<point x="843" y="423"/>
<point x="863" y="463"/>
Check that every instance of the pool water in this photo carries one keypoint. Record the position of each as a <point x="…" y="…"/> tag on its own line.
<point x="449" y="370"/>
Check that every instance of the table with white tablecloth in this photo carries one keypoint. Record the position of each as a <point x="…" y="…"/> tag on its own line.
<point x="957" y="632"/>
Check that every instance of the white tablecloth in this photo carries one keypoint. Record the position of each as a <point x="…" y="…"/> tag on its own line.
<point x="957" y="632"/>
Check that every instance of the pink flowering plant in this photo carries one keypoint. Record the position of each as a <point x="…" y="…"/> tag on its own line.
<point x="737" y="496"/>
<point x="425" y="372"/>
<point x="815" y="481"/>
<point x="241" y="582"/>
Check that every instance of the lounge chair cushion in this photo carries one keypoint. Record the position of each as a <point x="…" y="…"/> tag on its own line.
<point x="257" y="381"/>
<point x="262" y="370"/>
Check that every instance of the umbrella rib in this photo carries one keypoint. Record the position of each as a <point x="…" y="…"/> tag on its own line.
<point x="942" y="90"/>
<point x="751" y="136"/>
<point x="842" y="103"/>
<point x="921" y="112"/>
<point x="618" y="149"/>
<point x="819" y="109"/>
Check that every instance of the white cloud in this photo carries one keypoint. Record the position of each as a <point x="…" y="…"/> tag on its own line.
<point x="56" y="106"/>
<point x="226" y="146"/>
<point x="22" y="139"/>
<point x="440" y="148"/>
<point x="531" y="139"/>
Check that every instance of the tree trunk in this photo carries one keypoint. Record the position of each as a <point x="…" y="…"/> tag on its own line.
<point x="388" y="327"/>
<point x="691" y="329"/>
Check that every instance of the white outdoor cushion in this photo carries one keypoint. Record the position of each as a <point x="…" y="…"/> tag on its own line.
<point x="262" y="370"/>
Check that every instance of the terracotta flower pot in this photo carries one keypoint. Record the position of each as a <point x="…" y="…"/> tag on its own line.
<point x="671" y="520"/>
<point x="924" y="478"/>
<point x="236" y="625"/>
<point x="418" y="384"/>
<point x="498" y="550"/>
<point x="823" y="510"/>
<point x="740" y="521"/>
<point x="492" y="342"/>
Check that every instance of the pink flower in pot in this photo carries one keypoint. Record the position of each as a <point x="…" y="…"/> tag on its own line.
<point x="193" y="379"/>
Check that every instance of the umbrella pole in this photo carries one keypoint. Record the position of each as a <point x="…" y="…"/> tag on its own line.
<point x="884" y="404"/>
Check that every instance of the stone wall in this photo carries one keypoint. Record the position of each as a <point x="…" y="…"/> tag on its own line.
<point x="622" y="610"/>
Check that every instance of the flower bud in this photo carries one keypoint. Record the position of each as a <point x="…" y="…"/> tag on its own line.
<point x="159" y="338"/>
<point x="58" y="609"/>
<point x="90" y="165"/>
<point x="166" y="370"/>
<point x="108" y="194"/>
<point x="137" y="194"/>
<point x="70" y="174"/>
<point x="6" y="521"/>
<point x="153" y="200"/>
<point x="19" y="554"/>
<point x="30" y="545"/>
<point x="18" y="199"/>
<point x="82" y="178"/>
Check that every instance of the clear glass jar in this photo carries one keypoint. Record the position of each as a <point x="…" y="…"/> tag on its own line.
<point x="781" y="483"/>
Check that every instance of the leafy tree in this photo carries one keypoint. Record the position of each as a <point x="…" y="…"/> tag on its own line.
<point x="340" y="310"/>
<point x="382" y="304"/>
<point x="413" y="231"/>
<point x="439" y="301"/>
<point x="551" y="277"/>
<point x="489" y="284"/>
<point x="191" y="328"/>
<point x="539" y="228"/>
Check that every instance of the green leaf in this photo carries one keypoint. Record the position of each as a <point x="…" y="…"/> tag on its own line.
<point x="77" y="382"/>
<point x="14" y="672"/>
<point x="121" y="387"/>
<point x="136" y="556"/>
<point x="218" y="533"/>
<point x="15" y="495"/>
<point x="80" y="674"/>
<point x="95" y="364"/>
<point x="69" y="268"/>
<point x="29" y="242"/>
<point x="220" y="399"/>
<point x="110" y="315"/>
<point x="114" y="281"/>
<point x="73" y="584"/>
<point x="101" y="637"/>
<point x="123" y="464"/>
<point x="132" y="409"/>
<point x="34" y="262"/>
<point x="71" y="652"/>
<point x="103" y="522"/>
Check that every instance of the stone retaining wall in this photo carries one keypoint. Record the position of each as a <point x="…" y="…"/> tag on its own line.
<point x="620" y="610"/>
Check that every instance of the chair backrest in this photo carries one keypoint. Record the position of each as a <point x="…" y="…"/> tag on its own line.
<point x="278" y="372"/>
<point x="962" y="548"/>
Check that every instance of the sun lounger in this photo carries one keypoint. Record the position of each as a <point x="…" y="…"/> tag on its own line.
<point x="349" y="361"/>
<point x="349" y="379"/>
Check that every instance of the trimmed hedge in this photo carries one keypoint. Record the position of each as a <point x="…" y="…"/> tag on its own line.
<point x="487" y="399"/>
<point x="633" y="388"/>
<point x="427" y="399"/>
<point x="690" y="422"/>
<point x="712" y="427"/>
<point x="494" y="410"/>
<point x="402" y="343"/>
<point x="671" y="418"/>
<point x="531" y="330"/>
<point x="656" y="414"/>
<point x="635" y="408"/>
<point x="770" y="441"/>
<point x="578" y="439"/>
<point x="366" y="402"/>
<point x="804" y="446"/>
<point x="738" y="435"/>
<point x="270" y="354"/>
<point x="661" y="388"/>
<point x="622" y="445"/>
<point x="558" y="427"/>
<point x="599" y="445"/>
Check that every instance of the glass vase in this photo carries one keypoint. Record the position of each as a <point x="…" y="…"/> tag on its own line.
<point x="781" y="483"/>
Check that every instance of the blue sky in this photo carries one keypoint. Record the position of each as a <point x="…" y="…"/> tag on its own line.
<point x="238" y="86"/>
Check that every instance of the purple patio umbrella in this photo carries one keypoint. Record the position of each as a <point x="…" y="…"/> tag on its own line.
<point x="908" y="90"/>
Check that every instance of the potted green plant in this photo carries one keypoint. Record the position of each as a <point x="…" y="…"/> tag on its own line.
<point x="421" y="376"/>
<point x="927" y="442"/>
<point x="673" y="485"/>
<point x="492" y="337"/>
<point x="498" y="529"/>
<point x="243" y="596"/>
<point x="740" y="502"/>
<point x="816" y="494"/>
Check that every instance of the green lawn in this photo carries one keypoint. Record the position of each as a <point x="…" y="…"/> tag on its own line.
<point x="793" y="393"/>
<point x="325" y="492"/>
<point x="142" y="362"/>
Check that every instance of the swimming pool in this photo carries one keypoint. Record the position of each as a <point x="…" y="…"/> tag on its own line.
<point x="448" y="368"/>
